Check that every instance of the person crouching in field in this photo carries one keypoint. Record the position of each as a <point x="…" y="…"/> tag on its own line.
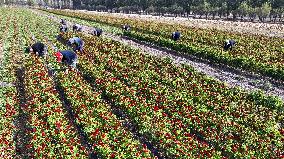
<point x="37" y="48"/>
<point x="125" y="27"/>
<point x="77" y="27"/>
<point x="76" y="43"/>
<point x="97" y="32"/>
<point x="176" y="35"/>
<point x="68" y="58"/>
<point x="63" y="21"/>
<point x="63" y="28"/>
<point x="229" y="44"/>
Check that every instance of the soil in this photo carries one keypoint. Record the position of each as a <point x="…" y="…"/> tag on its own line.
<point x="266" y="29"/>
<point x="1" y="52"/>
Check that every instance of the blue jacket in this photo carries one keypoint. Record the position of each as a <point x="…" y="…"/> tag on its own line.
<point x="229" y="44"/>
<point x="39" y="47"/>
<point x="232" y="42"/>
<point x="98" y="31"/>
<point x="176" y="35"/>
<point x="68" y="56"/>
<point x="76" y="41"/>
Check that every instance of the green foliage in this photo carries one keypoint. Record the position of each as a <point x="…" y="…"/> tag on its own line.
<point x="101" y="8"/>
<point x="243" y="9"/>
<point x="252" y="13"/>
<point x="151" y="9"/>
<point x="30" y="2"/>
<point x="263" y="11"/>
<point x="176" y="9"/>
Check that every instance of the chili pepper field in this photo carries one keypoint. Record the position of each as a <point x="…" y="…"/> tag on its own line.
<point x="120" y="103"/>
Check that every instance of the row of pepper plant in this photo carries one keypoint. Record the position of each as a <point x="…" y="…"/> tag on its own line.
<point x="8" y="95"/>
<point x="255" y="53"/>
<point x="49" y="133"/>
<point x="149" y="124"/>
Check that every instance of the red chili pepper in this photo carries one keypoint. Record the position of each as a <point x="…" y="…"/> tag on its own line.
<point x="156" y="108"/>
<point x="112" y="155"/>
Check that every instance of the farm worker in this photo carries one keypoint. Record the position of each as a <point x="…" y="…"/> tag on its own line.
<point x="126" y="27"/>
<point x="176" y="35"/>
<point x="98" y="32"/>
<point x="76" y="43"/>
<point x="77" y="27"/>
<point x="63" y="21"/>
<point x="63" y="28"/>
<point x="67" y="57"/>
<point x="229" y="44"/>
<point x="37" y="48"/>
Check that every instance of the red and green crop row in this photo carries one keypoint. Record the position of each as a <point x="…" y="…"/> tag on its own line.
<point x="8" y="95"/>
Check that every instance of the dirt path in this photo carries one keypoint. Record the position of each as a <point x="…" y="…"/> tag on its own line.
<point x="21" y="137"/>
<point x="266" y="29"/>
<point x="1" y="52"/>
<point x="3" y="84"/>
<point x="231" y="76"/>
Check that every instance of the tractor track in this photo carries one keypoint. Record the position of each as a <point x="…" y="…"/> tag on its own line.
<point x="22" y="136"/>
<point x="1" y="51"/>
<point x="267" y="29"/>
<point x="232" y="76"/>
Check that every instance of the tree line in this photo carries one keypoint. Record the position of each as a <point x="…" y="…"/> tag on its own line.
<point x="262" y="10"/>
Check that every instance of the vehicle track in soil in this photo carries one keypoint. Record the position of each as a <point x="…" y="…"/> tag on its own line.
<point x="3" y="84"/>
<point x="21" y="137"/>
<point x="1" y="52"/>
<point x="233" y="77"/>
<point x="239" y="27"/>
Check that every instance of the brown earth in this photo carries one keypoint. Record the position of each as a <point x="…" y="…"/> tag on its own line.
<point x="1" y="51"/>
